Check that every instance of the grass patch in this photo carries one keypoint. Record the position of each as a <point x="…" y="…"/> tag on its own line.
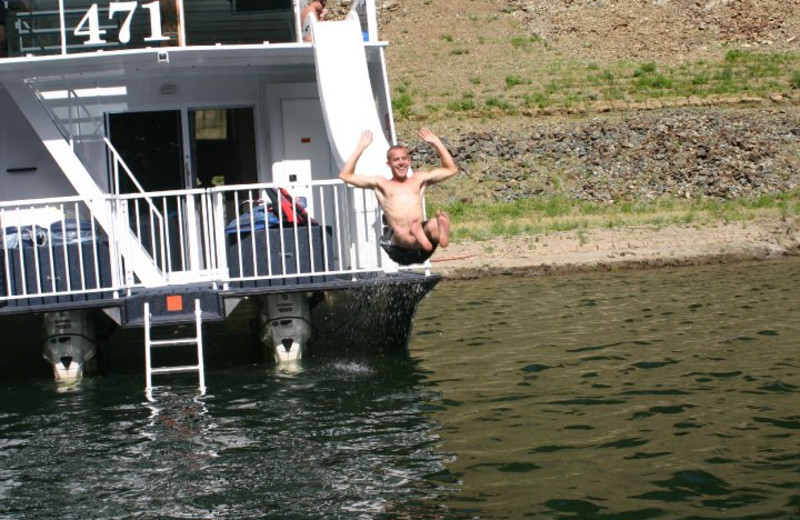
<point x="465" y="104"/>
<point x="499" y="103"/>
<point x="524" y="42"/>
<point x="794" y="81"/>
<point x="513" y="81"/>
<point x="550" y="81"/>
<point x="485" y="220"/>
<point x="402" y="103"/>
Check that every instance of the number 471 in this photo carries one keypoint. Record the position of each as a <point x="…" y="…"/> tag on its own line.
<point x="90" y="23"/>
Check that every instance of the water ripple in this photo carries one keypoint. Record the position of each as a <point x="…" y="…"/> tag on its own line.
<point x="638" y="395"/>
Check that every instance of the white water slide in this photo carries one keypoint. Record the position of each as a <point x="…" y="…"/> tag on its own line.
<point x="346" y="95"/>
<point x="349" y="108"/>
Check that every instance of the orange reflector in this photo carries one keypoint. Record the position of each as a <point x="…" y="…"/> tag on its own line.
<point x="174" y="303"/>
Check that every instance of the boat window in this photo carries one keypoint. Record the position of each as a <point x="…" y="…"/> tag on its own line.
<point x="239" y="21"/>
<point x="242" y="6"/>
<point x="224" y="148"/>
<point x="150" y="143"/>
<point x="90" y="25"/>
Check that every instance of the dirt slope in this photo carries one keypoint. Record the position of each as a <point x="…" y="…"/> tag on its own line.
<point x="445" y="50"/>
<point x="669" y="30"/>
<point x="442" y="53"/>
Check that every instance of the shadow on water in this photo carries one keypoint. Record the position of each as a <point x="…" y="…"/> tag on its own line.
<point x="333" y="440"/>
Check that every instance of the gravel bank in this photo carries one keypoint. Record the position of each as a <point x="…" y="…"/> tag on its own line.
<point x="601" y="250"/>
<point x="692" y="153"/>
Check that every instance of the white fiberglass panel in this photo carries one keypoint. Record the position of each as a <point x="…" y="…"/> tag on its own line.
<point x="26" y="169"/>
<point x="346" y="94"/>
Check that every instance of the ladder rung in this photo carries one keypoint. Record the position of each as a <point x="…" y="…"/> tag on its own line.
<point x="175" y="369"/>
<point x="168" y="342"/>
<point x="149" y="344"/>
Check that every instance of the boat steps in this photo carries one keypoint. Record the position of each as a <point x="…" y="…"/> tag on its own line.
<point x="174" y="342"/>
<point x="171" y="307"/>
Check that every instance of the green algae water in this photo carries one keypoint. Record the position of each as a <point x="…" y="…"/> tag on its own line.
<point x="671" y="394"/>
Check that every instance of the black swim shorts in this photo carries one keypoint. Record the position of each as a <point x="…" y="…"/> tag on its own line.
<point x="403" y="255"/>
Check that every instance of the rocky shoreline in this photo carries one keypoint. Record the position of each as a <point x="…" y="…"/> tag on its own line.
<point x="607" y="250"/>
<point x="688" y="153"/>
<point x="698" y="153"/>
<point x="732" y="145"/>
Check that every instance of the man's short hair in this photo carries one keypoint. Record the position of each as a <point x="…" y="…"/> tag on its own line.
<point x="395" y="147"/>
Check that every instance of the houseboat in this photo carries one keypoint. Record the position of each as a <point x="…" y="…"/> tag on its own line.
<point x="170" y="177"/>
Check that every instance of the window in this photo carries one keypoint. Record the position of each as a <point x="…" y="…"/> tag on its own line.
<point x="243" y="6"/>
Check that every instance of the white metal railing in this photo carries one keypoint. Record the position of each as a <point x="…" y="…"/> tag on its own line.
<point x="227" y="236"/>
<point x="264" y="241"/>
<point x="37" y="35"/>
<point x="54" y="249"/>
<point x="155" y="216"/>
<point x="47" y="27"/>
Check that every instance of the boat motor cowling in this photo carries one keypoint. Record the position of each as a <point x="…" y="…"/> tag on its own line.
<point x="69" y="343"/>
<point x="286" y="328"/>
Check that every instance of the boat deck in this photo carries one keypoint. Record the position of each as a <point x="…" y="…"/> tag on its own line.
<point x="231" y="241"/>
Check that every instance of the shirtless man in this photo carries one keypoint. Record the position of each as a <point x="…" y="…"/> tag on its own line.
<point x="408" y="239"/>
<point x="315" y="8"/>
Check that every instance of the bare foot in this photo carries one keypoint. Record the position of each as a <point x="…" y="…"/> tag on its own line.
<point x="444" y="228"/>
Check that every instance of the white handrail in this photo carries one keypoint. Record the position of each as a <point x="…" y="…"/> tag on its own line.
<point x="63" y="25"/>
<point x="222" y="236"/>
<point x="119" y="161"/>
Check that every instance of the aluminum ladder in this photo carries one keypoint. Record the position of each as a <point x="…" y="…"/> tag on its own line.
<point x="150" y="343"/>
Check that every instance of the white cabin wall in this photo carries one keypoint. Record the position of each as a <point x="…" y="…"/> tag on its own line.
<point x="183" y="92"/>
<point x="94" y="157"/>
<point x="167" y="93"/>
<point x="20" y="147"/>
<point x="275" y="94"/>
<point x="153" y="93"/>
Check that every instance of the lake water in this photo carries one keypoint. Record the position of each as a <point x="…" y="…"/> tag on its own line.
<point x="671" y="394"/>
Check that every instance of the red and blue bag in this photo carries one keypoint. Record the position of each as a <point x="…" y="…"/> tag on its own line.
<point x="287" y="208"/>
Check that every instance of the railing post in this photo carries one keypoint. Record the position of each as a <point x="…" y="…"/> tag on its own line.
<point x="372" y="20"/>
<point x="220" y="236"/>
<point x="298" y="23"/>
<point x="193" y="256"/>
<point x="71" y="118"/>
<point x="116" y="259"/>
<point x="63" y="23"/>
<point x="181" y="24"/>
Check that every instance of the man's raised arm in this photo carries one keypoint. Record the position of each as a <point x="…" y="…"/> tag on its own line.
<point x="448" y="168"/>
<point x="348" y="171"/>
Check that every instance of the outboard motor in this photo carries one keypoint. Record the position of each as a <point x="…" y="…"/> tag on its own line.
<point x="69" y="343"/>
<point x="287" y="326"/>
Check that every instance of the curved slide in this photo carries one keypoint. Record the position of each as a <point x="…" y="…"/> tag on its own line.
<point x="349" y="108"/>
<point x="346" y="93"/>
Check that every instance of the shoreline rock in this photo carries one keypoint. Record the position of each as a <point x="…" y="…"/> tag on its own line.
<point x="688" y="153"/>
<point x="605" y="250"/>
